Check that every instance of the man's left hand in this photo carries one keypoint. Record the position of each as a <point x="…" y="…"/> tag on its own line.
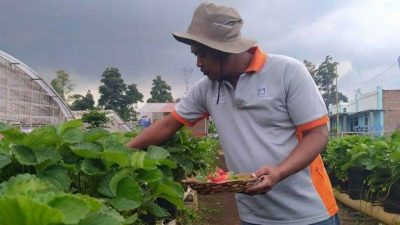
<point x="269" y="176"/>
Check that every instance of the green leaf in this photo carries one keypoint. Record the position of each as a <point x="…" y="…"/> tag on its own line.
<point x="93" y="203"/>
<point x="117" y="178"/>
<point x="4" y="160"/>
<point x="43" y="136"/>
<point x="69" y="124"/>
<point x="46" y="156"/>
<point x="130" y="189"/>
<point x="178" y="202"/>
<point x="11" y="213"/>
<point x="157" y="153"/>
<point x="172" y="192"/>
<point x="131" y="219"/>
<point x="24" y="183"/>
<point x="24" y="155"/>
<point x="119" y="157"/>
<point x="57" y="175"/>
<point x="167" y="162"/>
<point x="67" y="155"/>
<point x="95" y="134"/>
<point x="150" y="175"/>
<point x="93" y="167"/>
<point x="98" y="218"/>
<point x="21" y="211"/>
<point x="186" y="164"/>
<point x="149" y="164"/>
<point x="13" y="135"/>
<point x="124" y="204"/>
<point x="162" y="188"/>
<point x="104" y="187"/>
<point x="112" y="212"/>
<point x="72" y="208"/>
<point x="137" y="159"/>
<point x="158" y="211"/>
<point x="35" y="156"/>
<point x="87" y="150"/>
<point x="72" y="136"/>
<point x="110" y="184"/>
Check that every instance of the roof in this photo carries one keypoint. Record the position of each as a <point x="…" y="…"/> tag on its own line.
<point x="157" y="107"/>
<point x="35" y="76"/>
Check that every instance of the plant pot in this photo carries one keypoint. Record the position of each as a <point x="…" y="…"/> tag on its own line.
<point x="334" y="180"/>
<point x="171" y="208"/>
<point x="148" y="219"/>
<point x="357" y="187"/>
<point x="391" y="204"/>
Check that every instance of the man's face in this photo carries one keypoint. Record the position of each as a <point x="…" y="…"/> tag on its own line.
<point x="207" y="60"/>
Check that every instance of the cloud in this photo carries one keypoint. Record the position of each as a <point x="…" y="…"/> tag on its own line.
<point x="85" y="37"/>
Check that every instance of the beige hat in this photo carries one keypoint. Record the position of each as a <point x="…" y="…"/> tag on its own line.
<point x="217" y="27"/>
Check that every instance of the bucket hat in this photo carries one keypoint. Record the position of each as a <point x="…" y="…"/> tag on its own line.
<point x="217" y="27"/>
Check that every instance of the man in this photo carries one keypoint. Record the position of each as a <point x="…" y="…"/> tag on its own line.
<point x="270" y="118"/>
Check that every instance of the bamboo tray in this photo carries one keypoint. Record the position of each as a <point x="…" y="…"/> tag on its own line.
<point x="238" y="185"/>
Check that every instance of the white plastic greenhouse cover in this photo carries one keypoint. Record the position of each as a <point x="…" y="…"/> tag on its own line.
<point x="23" y="93"/>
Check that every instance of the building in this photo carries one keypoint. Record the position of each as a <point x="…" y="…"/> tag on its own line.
<point x="26" y="100"/>
<point x="156" y="111"/>
<point x="114" y="124"/>
<point x="375" y="113"/>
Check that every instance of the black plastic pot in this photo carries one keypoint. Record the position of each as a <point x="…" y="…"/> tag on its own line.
<point x="391" y="204"/>
<point x="148" y="219"/>
<point x="171" y="208"/>
<point x="334" y="180"/>
<point x="357" y="187"/>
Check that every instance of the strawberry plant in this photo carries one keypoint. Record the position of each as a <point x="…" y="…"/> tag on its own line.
<point x="93" y="170"/>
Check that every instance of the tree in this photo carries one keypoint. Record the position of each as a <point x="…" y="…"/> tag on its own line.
<point x="161" y="91"/>
<point x="95" y="118"/>
<point x="81" y="102"/>
<point x="62" y="84"/>
<point x="116" y="95"/>
<point x="324" y="77"/>
<point x="133" y="95"/>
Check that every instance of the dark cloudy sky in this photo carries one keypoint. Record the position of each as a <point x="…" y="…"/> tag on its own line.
<point x="84" y="37"/>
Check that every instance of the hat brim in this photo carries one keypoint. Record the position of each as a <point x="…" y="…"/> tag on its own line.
<point x="237" y="46"/>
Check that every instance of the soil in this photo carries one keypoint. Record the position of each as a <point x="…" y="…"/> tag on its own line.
<point x="217" y="209"/>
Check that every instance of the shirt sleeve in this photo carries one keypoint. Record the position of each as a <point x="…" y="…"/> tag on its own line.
<point x="193" y="106"/>
<point x="304" y="101"/>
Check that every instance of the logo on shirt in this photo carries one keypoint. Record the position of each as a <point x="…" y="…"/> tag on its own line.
<point x="262" y="92"/>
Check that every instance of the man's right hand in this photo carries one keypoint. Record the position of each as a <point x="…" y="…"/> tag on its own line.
<point x="157" y="133"/>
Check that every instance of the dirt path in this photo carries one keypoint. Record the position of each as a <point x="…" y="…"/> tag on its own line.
<point x="218" y="209"/>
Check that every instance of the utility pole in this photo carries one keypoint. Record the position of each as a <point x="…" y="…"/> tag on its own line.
<point x="337" y="103"/>
<point x="186" y="74"/>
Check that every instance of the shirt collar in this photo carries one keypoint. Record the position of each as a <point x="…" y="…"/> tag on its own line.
<point x="258" y="60"/>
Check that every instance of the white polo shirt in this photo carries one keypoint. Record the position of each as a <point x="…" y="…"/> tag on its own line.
<point x="260" y="123"/>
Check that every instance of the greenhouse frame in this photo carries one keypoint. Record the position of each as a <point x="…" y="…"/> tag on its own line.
<point x="26" y="100"/>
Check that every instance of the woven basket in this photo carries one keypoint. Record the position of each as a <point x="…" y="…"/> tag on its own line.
<point x="239" y="185"/>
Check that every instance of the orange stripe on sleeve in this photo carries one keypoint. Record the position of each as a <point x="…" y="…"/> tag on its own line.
<point x="323" y="185"/>
<point x="185" y="121"/>
<point x="315" y="123"/>
<point x="181" y="119"/>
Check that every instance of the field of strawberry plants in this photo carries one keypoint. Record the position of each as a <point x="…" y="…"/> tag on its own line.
<point x="367" y="168"/>
<point x="67" y="175"/>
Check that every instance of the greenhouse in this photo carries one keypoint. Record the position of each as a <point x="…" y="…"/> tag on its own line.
<point x="26" y="100"/>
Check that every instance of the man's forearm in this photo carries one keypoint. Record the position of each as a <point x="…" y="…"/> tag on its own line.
<point x="156" y="134"/>
<point x="312" y="143"/>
